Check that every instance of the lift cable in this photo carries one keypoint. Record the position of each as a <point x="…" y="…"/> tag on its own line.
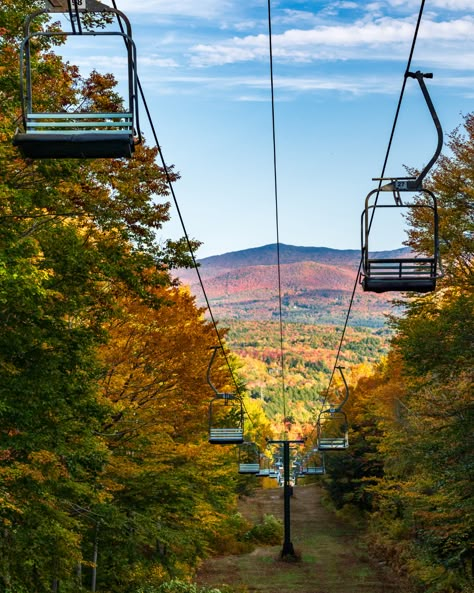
<point x="277" y="223"/>
<point x="186" y="235"/>
<point x="387" y="154"/>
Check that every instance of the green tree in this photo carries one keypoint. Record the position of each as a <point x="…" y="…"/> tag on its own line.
<point x="74" y="235"/>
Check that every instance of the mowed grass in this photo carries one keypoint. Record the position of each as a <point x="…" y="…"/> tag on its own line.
<point x="333" y="555"/>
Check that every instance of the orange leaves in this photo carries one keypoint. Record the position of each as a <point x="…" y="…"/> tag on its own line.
<point x="157" y="361"/>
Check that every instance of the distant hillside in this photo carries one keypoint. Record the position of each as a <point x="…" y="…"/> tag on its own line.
<point x="316" y="282"/>
<point x="263" y="278"/>
<point x="317" y="285"/>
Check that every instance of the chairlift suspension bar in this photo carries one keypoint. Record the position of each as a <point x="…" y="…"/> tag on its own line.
<point x="74" y="15"/>
<point x="346" y="388"/>
<point x="211" y="384"/>
<point x="413" y="184"/>
<point x="419" y="76"/>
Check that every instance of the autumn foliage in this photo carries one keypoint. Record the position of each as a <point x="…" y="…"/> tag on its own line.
<point x="105" y="469"/>
<point x="410" y="466"/>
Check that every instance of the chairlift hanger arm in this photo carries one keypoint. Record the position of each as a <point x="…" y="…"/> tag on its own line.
<point x="335" y="409"/>
<point x="220" y="395"/>
<point x="214" y="351"/>
<point x="74" y="15"/>
<point x="419" y="76"/>
<point x="346" y="387"/>
<point x="415" y="183"/>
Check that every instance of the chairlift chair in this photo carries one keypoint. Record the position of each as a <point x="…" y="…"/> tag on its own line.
<point x="332" y="430"/>
<point x="264" y="471"/>
<point x="226" y="414"/>
<point x="418" y="274"/>
<point x="65" y="134"/>
<point x="249" y="458"/>
<point x="273" y="473"/>
<point x="314" y="464"/>
<point x="226" y="420"/>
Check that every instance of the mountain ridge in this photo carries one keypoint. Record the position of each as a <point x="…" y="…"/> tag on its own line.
<point x="316" y="285"/>
<point x="267" y="254"/>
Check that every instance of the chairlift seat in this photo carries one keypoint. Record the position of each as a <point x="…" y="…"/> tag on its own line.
<point x="76" y="135"/>
<point x="410" y="274"/>
<point x="314" y="471"/>
<point x="226" y="436"/>
<point x="249" y="468"/>
<point x="333" y="443"/>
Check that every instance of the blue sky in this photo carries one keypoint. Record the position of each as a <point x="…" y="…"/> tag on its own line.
<point x="338" y="69"/>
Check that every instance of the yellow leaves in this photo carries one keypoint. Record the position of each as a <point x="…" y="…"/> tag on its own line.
<point x="42" y="466"/>
<point x="46" y="465"/>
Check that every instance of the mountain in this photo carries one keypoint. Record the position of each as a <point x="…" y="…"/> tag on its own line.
<point x="316" y="285"/>
<point x="267" y="255"/>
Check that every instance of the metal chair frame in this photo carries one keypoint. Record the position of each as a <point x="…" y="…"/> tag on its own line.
<point x="418" y="274"/>
<point x="249" y="458"/>
<point x="77" y="134"/>
<point x="399" y="274"/>
<point x="328" y="443"/>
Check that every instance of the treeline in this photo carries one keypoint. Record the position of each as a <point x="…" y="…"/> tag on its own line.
<point x="106" y="475"/>
<point x="410" y="466"/>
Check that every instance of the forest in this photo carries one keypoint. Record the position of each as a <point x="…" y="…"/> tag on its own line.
<point x="107" y="480"/>
<point x="309" y="353"/>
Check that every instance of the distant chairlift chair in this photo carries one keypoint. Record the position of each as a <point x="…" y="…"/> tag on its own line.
<point x="264" y="471"/>
<point x="332" y="427"/>
<point x="249" y="458"/>
<point x="226" y="415"/>
<point x="314" y="464"/>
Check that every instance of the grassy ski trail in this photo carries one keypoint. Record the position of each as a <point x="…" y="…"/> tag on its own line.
<point x="333" y="556"/>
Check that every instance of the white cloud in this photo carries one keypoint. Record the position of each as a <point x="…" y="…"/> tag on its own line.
<point x="257" y="88"/>
<point x="249" y="25"/>
<point x="188" y="8"/>
<point x="295" y="17"/>
<point x="443" y="4"/>
<point x="157" y="61"/>
<point x="365" y="39"/>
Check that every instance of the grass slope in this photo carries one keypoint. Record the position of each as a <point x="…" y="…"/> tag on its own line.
<point x="334" y="557"/>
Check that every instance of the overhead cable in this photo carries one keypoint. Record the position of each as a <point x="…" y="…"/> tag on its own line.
<point x="387" y="154"/>
<point x="277" y="222"/>
<point x="185" y="232"/>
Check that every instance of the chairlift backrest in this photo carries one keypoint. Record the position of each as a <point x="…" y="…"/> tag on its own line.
<point x="249" y="458"/>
